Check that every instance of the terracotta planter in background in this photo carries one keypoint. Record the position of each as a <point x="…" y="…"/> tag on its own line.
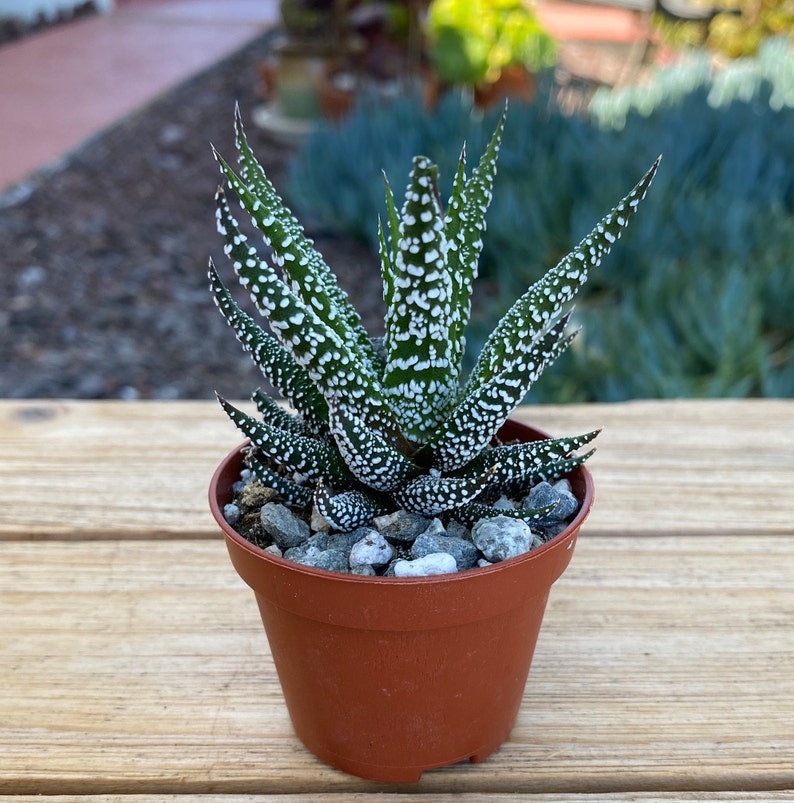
<point x="337" y="90"/>
<point x="515" y="82"/>
<point x="290" y="78"/>
<point x="387" y="677"/>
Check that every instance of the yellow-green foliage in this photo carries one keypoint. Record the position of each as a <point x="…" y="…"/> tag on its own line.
<point x="737" y="29"/>
<point x="472" y="41"/>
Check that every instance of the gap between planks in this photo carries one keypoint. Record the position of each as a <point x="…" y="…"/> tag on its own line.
<point x="135" y="667"/>
<point x="432" y="797"/>
<point x="99" y="470"/>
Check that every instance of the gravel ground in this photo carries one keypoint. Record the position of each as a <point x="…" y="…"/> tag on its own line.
<point x="104" y="290"/>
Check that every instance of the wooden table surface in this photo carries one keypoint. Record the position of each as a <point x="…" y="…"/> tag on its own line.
<point x="133" y="665"/>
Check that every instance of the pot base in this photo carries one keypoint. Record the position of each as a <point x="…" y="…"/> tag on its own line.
<point x="401" y="774"/>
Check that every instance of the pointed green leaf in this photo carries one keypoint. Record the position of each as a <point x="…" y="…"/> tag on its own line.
<point x="474" y="422"/>
<point x="371" y="458"/>
<point x="546" y="473"/>
<point x="431" y="495"/>
<point x="392" y="217"/>
<point x="516" y="465"/>
<point x="387" y="252"/>
<point x="516" y="479"/>
<point x="293" y="251"/>
<point x="465" y="226"/>
<point x="533" y="312"/>
<point x="329" y="362"/>
<point x="275" y="362"/>
<point x="275" y="415"/>
<point x="417" y="376"/>
<point x="474" y="511"/>
<point x="307" y="456"/>
<point x="290" y="492"/>
<point x="348" y="510"/>
<point x="385" y="265"/>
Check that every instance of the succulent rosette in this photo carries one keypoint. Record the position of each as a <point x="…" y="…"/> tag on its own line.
<point x="377" y="425"/>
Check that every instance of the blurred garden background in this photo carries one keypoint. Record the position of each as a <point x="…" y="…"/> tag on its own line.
<point x="104" y="251"/>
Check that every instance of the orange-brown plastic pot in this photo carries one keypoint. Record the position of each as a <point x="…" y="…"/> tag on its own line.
<point x="386" y="677"/>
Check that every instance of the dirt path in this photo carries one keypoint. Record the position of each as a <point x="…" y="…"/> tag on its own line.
<point x="103" y="281"/>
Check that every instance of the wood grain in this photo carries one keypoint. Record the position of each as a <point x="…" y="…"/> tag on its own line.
<point x="133" y="666"/>
<point x="419" y="797"/>
<point x="665" y="665"/>
<point x="84" y="470"/>
<point x="88" y="470"/>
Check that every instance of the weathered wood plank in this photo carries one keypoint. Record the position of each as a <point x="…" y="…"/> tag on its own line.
<point x="105" y="469"/>
<point x="71" y="469"/>
<point x="665" y="664"/>
<point x="409" y="797"/>
<point x="687" y="466"/>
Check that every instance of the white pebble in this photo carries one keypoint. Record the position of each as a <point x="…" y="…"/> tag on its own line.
<point x="434" y="563"/>
<point x="372" y="550"/>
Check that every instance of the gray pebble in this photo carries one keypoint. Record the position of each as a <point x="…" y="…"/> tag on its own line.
<point x="541" y="495"/>
<point x="502" y="537"/>
<point x="309" y="549"/>
<point x="302" y="553"/>
<point x="546" y="494"/>
<point x="464" y="552"/>
<point x="567" y="507"/>
<point x="503" y="503"/>
<point x="547" y="530"/>
<point x="231" y="513"/>
<point x="434" y="528"/>
<point x="345" y="541"/>
<point x="364" y="571"/>
<point x="283" y="526"/>
<point x="333" y="560"/>
<point x="401" y="527"/>
<point x="456" y="529"/>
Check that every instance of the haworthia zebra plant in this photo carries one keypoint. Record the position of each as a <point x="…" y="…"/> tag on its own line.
<point x="388" y="424"/>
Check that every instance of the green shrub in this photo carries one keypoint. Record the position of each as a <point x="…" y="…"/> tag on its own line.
<point x="696" y="302"/>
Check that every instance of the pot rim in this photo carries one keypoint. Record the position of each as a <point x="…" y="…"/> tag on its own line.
<point x="567" y="535"/>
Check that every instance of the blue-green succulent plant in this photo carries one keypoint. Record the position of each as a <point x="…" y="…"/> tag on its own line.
<point x="380" y="425"/>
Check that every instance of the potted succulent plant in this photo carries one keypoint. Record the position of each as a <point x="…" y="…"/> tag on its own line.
<point x="371" y="499"/>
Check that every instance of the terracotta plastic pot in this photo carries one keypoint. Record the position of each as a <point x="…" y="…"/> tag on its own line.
<point x="514" y="82"/>
<point x="386" y="677"/>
